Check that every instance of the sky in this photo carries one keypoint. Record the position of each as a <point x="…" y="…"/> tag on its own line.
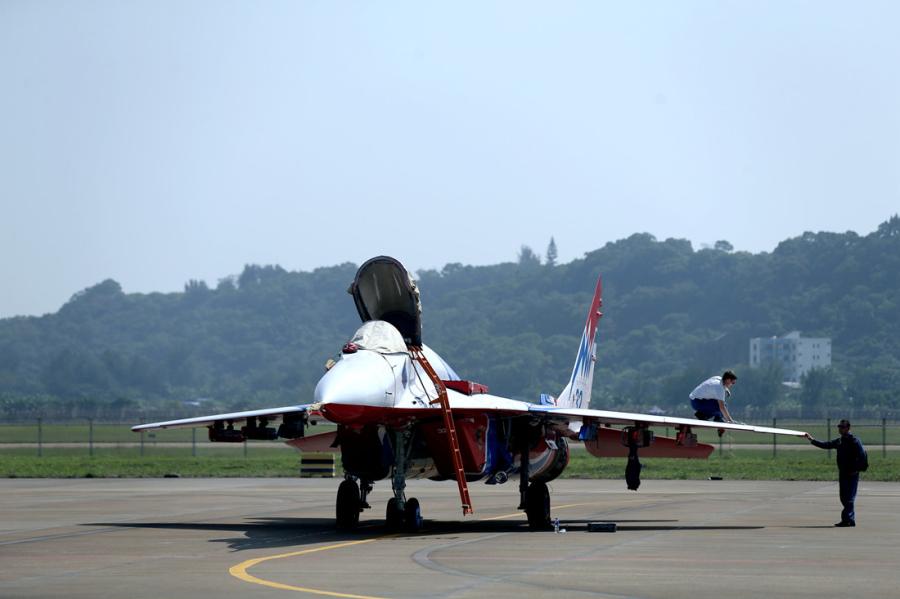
<point x="154" y="142"/>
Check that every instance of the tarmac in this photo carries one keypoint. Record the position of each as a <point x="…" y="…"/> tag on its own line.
<point x="204" y="538"/>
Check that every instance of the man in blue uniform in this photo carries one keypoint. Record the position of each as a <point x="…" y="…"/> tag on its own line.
<point x="851" y="458"/>
<point x="709" y="397"/>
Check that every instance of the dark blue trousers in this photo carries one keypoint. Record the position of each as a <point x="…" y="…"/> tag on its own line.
<point x="848" y="485"/>
<point x="708" y="409"/>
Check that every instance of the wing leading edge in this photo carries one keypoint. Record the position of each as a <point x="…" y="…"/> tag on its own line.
<point x="501" y="405"/>
<point x="272" y="413"/>
<point x="627" y="418"/>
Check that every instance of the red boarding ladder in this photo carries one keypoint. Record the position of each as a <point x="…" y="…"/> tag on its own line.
<point x="419" y="356"/>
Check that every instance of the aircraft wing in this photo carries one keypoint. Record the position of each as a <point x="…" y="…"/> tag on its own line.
<point x="626" y="418"/>
<point x="271" y="413"/>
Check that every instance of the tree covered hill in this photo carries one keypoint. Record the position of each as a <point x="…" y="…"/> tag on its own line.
<point x="672" y="316"/>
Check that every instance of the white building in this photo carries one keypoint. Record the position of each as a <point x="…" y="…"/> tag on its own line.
<point x="797" y="355"/>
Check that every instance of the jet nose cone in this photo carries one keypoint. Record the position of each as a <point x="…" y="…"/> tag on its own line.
<point x="357" y="383"/>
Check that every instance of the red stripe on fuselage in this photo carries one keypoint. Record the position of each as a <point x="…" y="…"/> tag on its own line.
<point x="359" y="415"/>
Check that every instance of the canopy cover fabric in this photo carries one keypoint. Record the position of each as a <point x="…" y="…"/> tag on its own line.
<point x="379" y="336"/>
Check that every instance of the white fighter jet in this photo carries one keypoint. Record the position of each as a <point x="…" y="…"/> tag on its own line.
<point x="402" y="412"/>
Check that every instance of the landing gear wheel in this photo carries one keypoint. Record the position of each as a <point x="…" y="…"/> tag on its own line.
<point x="412" y="516"/>
<point x="393" y="517"/>
<point x="347" y="506"/>
<point x="537" y="506"/>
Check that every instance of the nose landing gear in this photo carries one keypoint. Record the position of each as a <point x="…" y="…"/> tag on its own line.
<point x="402" y="513"/>
<point x="408" y="518"/>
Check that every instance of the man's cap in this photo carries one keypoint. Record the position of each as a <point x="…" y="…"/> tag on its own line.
<point x="844" y="422"/>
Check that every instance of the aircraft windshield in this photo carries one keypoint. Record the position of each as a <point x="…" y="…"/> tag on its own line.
<point x="379" y="336"/>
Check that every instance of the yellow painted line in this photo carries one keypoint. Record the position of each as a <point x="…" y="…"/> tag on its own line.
<point x="503" y="517"/>
<point x="240" y="571"/>
<point x="556" y="507"/>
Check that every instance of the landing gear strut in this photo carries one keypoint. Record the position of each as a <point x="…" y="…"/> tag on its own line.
<point x="534" y="498"/>
<point x="633" y="469"/>
<point x="402" y="512"/>
<point x="634" y="437"/>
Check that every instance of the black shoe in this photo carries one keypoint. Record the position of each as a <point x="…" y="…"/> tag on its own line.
<point x="701" y="416"/>
<point x="845" y="524"/>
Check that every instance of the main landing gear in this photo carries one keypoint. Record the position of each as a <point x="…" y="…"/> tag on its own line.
<point x="537" y="506"/>
<point x="348" y="505"/>
<point x="401" y="513"/>
<point x="351" y="500"/>
<point x="534" y="497"/>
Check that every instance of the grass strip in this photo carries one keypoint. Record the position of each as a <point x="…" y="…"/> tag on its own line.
<point x="268" y="461"/>
<point x="80" y="432"/>
<point x="109" y="465"/>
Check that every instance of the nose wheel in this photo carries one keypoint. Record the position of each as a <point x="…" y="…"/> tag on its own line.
<point x="407" y="518"/>
<point x="412" y="516"/>
<point x="393" y="517"/>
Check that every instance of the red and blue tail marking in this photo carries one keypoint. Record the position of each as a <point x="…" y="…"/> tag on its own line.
<point x="577" y="393"/>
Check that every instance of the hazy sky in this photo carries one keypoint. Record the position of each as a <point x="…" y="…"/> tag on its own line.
<point x="157" y="141"/>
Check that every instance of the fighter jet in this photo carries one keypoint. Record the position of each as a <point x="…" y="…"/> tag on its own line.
<point x="403" y="413"/>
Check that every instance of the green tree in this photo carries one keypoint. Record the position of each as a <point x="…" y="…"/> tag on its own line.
<point x="551" y="253"/>
<point x="723" y="246"/>
<point x="820" y="392"/>
<point x="672" y="316"/>
<point x="527" y="257"/>
<point x="757" y="392"/>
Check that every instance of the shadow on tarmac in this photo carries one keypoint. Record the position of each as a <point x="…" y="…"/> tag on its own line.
<point x="262" y="533"/>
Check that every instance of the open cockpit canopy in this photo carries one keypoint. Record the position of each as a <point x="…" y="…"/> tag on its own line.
<point x="384" y="290"/>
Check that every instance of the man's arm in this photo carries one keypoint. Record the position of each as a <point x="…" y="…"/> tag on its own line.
<point x="822" y="444"/>
<point x="724" y="409"/>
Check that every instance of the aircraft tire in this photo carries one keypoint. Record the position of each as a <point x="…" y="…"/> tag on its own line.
<point x="537" y="506"/>
<point x="393" y="517"/>
<point x="412" y="515"/>
<point x="347" y="506"/>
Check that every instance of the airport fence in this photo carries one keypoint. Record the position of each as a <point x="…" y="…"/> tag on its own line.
<point x="90" y="437"/>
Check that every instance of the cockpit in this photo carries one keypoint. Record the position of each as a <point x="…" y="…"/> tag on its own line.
<point x="384" y="290"/>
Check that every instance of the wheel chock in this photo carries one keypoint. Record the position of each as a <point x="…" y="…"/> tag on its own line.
<point x="601" y="527"/>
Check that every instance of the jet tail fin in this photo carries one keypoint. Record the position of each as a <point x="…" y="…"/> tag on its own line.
<point x="577" y="393"/>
